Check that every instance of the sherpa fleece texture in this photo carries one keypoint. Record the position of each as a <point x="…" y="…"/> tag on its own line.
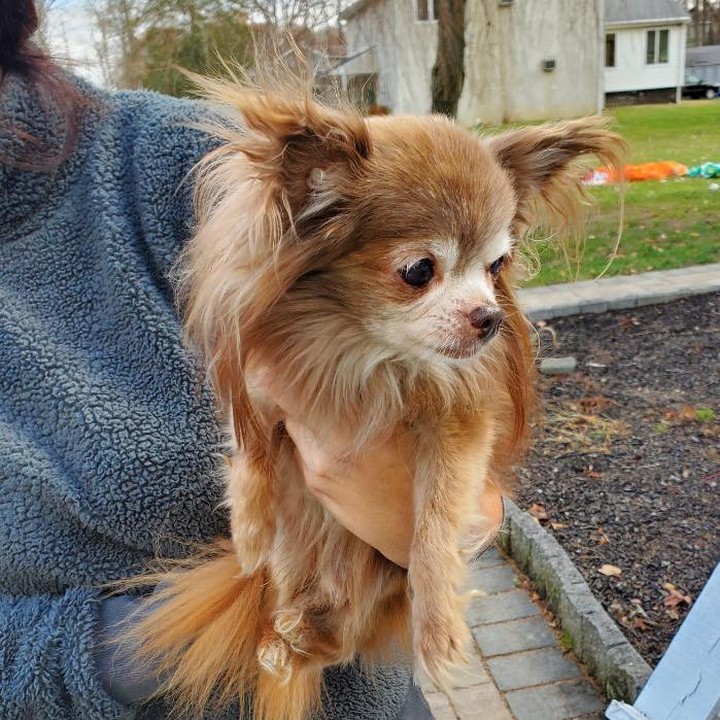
<point x="107" y="437"/>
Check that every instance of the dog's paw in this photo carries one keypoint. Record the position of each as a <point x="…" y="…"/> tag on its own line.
<point x="310" y="635"/>
<point x="292" y="628"/>
<point x="253" y="541"/>
<point x="274" y="657"/>
<point x="441" y="641"/>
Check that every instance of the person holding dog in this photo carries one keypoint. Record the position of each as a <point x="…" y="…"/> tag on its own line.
<point x="109" y="443"/>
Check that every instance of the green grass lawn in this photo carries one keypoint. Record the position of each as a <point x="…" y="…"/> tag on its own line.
<point x="667" y="224"/>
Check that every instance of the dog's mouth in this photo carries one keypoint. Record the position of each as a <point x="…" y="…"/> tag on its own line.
<point x="459" y="350"/>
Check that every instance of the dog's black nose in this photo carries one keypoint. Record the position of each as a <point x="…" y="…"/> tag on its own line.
<point x="487" y="320"/>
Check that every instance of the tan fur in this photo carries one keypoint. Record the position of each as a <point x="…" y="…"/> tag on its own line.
<point x="306" y="214"/>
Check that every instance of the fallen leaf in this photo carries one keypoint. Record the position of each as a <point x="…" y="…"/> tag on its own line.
<point x="537" y="510"/>
<point x="675" y="597"/>
<point x="604" y="539"/>
<point x="637" y="610"/>
<point x="594" y="402"/>
<point x="688" y="413"/>
<point x="625" y="321"/>
<point x="610" y="570"/>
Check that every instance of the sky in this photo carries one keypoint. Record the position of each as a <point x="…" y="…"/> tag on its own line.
<point x="71" y="34"/>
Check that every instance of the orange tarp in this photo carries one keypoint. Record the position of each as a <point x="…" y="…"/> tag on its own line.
<point x="646" y="171"/>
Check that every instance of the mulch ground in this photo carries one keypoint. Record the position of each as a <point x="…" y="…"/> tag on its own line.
<point x="626" y="469"/>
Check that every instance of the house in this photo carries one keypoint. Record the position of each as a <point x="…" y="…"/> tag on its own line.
<point x="704" y="63"/>
<point x="390" y="52"/>
<point x="524" y="60"/>
<point x="644" y="49"/>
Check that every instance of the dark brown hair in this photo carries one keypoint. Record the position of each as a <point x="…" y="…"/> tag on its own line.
<point x="59" y="94"/>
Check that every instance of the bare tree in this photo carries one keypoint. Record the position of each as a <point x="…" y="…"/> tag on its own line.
<point x="43" y="6"/>
<point x="705" y="22"/>
<point x="448" y="73"/>
<point x="288" y="14"/>
<point x="138" y="36"/>
<point x="119" y="24"/>
<point x="123" y="25"/>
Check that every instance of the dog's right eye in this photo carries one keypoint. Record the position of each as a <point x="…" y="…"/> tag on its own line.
<point x="418" y="274"/>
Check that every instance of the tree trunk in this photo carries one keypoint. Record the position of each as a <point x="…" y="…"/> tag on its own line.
<point x="448" y="73"/>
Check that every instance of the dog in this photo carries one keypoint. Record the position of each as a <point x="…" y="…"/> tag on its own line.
<point x="370" y="263"/>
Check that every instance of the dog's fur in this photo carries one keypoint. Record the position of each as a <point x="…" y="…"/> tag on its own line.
<point x="307" y="217"/>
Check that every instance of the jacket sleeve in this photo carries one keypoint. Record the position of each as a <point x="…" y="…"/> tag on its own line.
<point x="166" y="146"/>
<point x="47" y="659"/>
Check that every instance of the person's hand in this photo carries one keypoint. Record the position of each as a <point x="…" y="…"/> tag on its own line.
<point x="370" y="494"/>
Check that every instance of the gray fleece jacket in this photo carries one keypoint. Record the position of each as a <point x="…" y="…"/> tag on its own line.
<point x="107" y="439"/>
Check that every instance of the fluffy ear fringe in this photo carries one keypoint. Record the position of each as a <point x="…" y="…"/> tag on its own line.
<point x="284" y="132"/>
<point x="545" y="167"/>
<point x="514" y="431"/>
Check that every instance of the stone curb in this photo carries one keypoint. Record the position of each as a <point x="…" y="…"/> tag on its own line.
<point x="596" y="639"/>
<point x="618" y="293"/>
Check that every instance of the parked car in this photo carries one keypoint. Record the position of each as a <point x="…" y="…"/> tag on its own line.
<point x="696" y="87"/>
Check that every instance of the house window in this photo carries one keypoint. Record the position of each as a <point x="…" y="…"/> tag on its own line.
<point x="657" y="46"/>
<point x="428" y="9"/>
<point x="610" y="50"/>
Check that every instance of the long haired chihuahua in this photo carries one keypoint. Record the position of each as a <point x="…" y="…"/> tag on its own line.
<point x="368" y="263"/>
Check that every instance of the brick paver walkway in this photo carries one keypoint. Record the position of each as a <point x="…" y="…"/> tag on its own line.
<point x="517" y="671"/>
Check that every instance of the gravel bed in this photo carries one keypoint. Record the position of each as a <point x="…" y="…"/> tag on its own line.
<point x="626" y="468"/>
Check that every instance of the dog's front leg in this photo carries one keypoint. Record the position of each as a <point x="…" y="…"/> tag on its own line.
<point x="452" y="462"/>
<point x="252" y="496"/>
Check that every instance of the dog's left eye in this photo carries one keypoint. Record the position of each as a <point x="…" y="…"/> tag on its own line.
<point x="419" y="274"/>
<point x="495" y="267"/>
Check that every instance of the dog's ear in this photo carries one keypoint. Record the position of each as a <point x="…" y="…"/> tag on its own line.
<point x="542" y="163"/>
<point x="298" y="148"/>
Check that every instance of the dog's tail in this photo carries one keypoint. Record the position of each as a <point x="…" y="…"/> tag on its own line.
<point x="201" y="629"/>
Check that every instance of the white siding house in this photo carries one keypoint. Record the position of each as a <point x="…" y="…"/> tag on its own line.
<point x="530" y="60"/>
<point x="645" y="46"/>
<point x="524" y="59"/>
<point x="390" y="53"/>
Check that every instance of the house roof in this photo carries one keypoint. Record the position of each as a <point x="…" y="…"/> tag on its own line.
<point x="644" y="12"/>
<point x="617" y="12"/>
<point x="354" y="8"/>
<point x="705" y="55"/>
